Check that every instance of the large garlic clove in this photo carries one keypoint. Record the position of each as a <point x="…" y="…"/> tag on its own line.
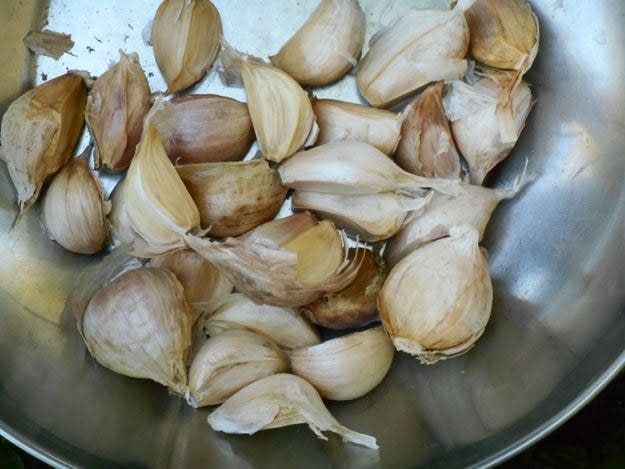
<point x="186" y="36"/>
<point x="116" y="106"/>
<point x="281" y="112"/>
<point x="284" y="326"/>
<point x="340" y="120"/>
<point x="278" y="401"/>
<point x="426" y="146"/>
<point x="436" y="302"/>
<point x="327" y="45"/>
<point x="354" y="168"/>
<point x="229" y="361"/>
<point x="354" y="305"/>
<point x="204" y="128"/>
<point x="39" y="132"/>
<point x="233" y="197"/>
<point x="487" y="119"/>
<point x="139" y="325"/>
<point x="504" y="33"/>
<point x="347" y="367"/>
<point x="420" y="47"/>
<point x="74" y="213"/>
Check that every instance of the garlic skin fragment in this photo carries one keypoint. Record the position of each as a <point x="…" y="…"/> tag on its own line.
<point x="420" y="47"/>
<point x="278" y="401"/>
<point x="339" y="120"/>
<point x="39" y="132"/>
<point x="436" y="302"/>
<point x="139" y="325"/>
<point x="117" y="221"/>
<point x="116" y="106"/>
<point x="74" y="213"/>
<point x="186" y="36"/>
<point x="229" y="361"/>
<point x="327" y="45"/>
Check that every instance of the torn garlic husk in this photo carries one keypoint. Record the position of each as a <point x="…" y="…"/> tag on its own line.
<point x="436" y="302"/>
<point x="118" y="223"/>
<point x="227" y="362"/>
<point x="327" y="45"/>
<point x="278" y="401"/>
<point x="420" y="47"/>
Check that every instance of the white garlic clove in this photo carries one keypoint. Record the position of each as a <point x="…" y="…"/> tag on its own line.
<point x="278" y="401"/>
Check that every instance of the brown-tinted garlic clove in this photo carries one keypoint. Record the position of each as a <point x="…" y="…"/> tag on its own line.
<point x="39" y="132"/>
<point x="186" y="36"/>
<point x="327" y="45"/>
<point x="278" y="401"/>
<point x="436" y="302"/>
<point x="339" y="120"/>
<point x="233" y="197"/>
<point x="229" y="361"/>
<point x="116" y="106"/>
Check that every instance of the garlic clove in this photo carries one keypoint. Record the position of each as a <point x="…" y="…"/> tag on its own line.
<point x="340" y="120"/>
<point x="426" y="146"/>
<point x="116" y="106"/>
<point x="420" y="47"/>
<point x="39" y="132"/>
<point x="233" y="197"/>
<point x="436" y="302"/>
<point x="347" y="367"/>
<point x="280" y="109"/>
<point x="186" y="36"/>
<point x="327" y="45"/>
<point x="204" y="128"/>
<point x="278" y="401"/>
<point x="278" y="231"/>
<point x="229" y="361"/>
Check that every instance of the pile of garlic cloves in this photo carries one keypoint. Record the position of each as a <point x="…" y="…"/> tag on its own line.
<point x="227" y="268"/>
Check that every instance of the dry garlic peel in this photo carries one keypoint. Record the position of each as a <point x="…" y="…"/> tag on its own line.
<point x="229" y="361"/>
<point x="278" y="401"/>
<point x="280" y="230"/>
<point x="118" y="222"/>
<point x="436" y="302"/>
<point x="327" y="45"/>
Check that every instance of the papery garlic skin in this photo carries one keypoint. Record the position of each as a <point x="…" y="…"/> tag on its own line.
<point x="118" y="222"/>
<point x="327" y="45"/>
<point x="436" y="302"/>
<point x="74" y="213"/>
<point x="116" y="106"/>
<point x="420" y="47"/>
<point x="278" y="401"/>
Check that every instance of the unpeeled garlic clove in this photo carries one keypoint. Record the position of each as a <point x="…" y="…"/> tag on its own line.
<point x="116" y="106"/>
<point x="233" y="197"/>
<point x="420" y="47"/>
<point x="426" y="146"/>
<point x="278" y="401"/>
<point x="39" y="132"/>
<point x="229" y="361"/>
<point x="436" y="302"/>
<point x="186" y="36"/>
<point x="340" y="120"/>
<point x="204" y="128"/>
<point x="327" y="45"/>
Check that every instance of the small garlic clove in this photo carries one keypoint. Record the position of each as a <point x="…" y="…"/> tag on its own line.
<point x="426" y="146"/>
<point x="204" y="128"/>
<point x="278" y="401"/>
<point x="354" y="305"/>
<point x="420" y="47"/>
<point x="347" y="367"/>
<point x="116" y="106"/>
<point x="186" y="36"/>
<point x="74" y="213"/>
<point x="233" y="197"/>
<point x="280" y="109"/>
<point x="340" y="120"/>
<point x="436" y="302"/>
<point x="39" y="132"/>
<point x="229" y="361"/>
<point x="326" y="46"/>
